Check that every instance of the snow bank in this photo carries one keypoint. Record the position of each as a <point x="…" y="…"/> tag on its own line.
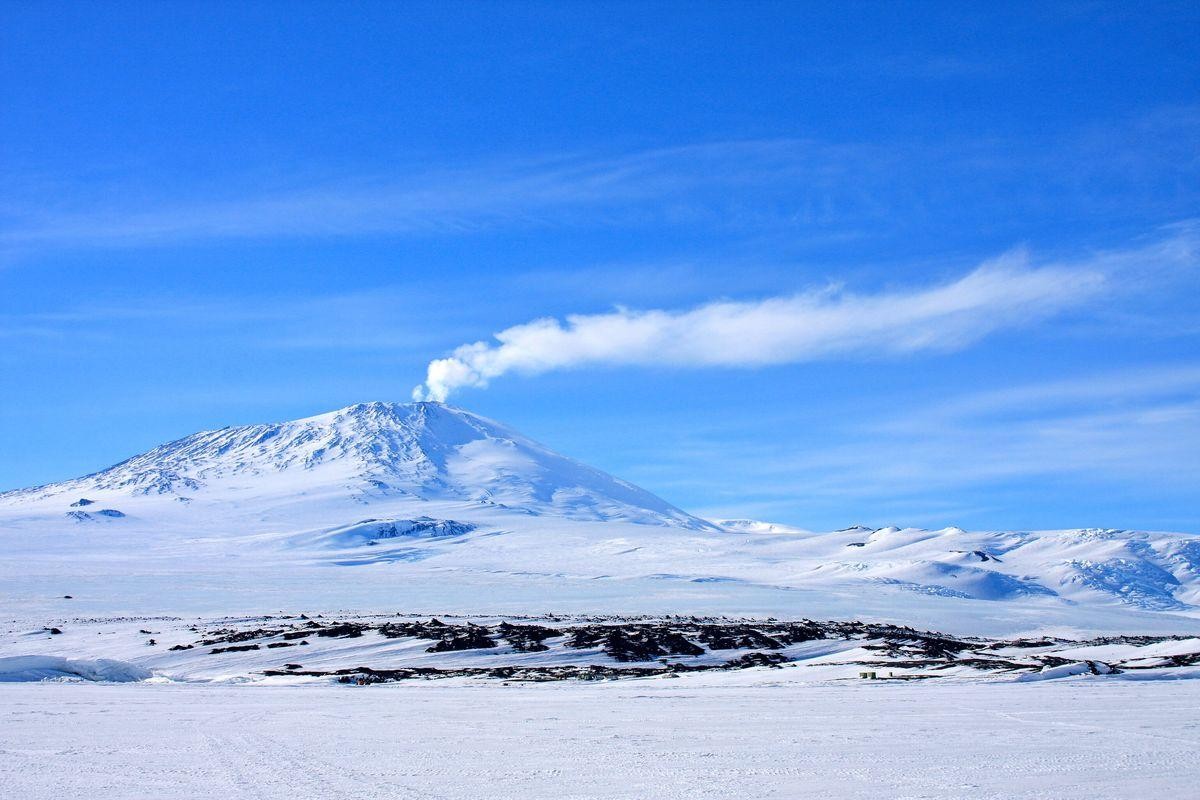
<point x="40" y="668"/>
<point x="1067" y="670"/>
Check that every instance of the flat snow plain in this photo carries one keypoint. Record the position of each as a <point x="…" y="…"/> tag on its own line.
<point x="747" y="734"/>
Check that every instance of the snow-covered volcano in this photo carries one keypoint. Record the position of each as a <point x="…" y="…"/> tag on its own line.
<point x="426" y="506"/>
<point x="364" y="454"/>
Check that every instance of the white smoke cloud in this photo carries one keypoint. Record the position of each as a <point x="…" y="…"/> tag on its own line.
<point x="1005" y="293"/>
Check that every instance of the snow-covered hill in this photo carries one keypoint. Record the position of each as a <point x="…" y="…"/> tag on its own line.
<point x="428" y="508"/>
<point x="754" y="526"/>
<point x="365" y="454"/>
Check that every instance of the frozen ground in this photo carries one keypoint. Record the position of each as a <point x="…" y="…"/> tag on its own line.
<point x="130" y="573"/>
<point x="733" y="735"/>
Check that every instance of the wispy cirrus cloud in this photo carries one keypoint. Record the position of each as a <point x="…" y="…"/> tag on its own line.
<point x="789" y="184"/>
<point x="642" y="187"/>
<point x="1132" y="430"/>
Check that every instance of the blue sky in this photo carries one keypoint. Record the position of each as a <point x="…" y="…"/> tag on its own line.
<point x="891" y="263"/>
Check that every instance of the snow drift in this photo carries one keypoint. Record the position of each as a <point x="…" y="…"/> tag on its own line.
<point x="16" y="669"/>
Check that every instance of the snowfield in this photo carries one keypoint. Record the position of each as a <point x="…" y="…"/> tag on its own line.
<point x="425" y="508"/>
<point x="742" y="735"/>
<point x="248" y="612"/>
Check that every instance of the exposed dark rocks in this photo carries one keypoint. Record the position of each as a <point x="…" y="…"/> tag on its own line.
<point x="1185" y="660"/>
<point x="346" y="630"/>
<point x="364" y="676"/>
<point x="1137" y="641"/>
<point x="737" y="638"/>
<point x="229" y="636"/>
<point x="433" y="629"/>
<point x="757" y="660"/>
<point x="1021" y="643"/>
<point x="81" y="502"/>
<point x="930" y="646"/>
<point x="53" y="631"/>
<point x="635" y="642"/>
<point x="660" y="646"/>
<point x="526" y="638"/>
<point x="468" y="637"/>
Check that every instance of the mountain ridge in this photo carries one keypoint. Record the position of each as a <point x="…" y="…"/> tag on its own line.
<point x="422" y="450"/>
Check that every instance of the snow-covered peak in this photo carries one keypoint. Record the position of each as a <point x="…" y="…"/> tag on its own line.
<point x="754" y="526"/>
<point x="371" y="452"/>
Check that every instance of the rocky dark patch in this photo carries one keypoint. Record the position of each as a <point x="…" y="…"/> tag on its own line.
<point x="1021" y="643"/>
<point x="928" y="646"/>
<point x="635" y="642"/>
<point x="230" y="636"/>
<point x="1137" y="641"/>
<point x="757" y="660"/>
<point x="433" y="629"/>
<point x="650" y="646"/>
<point x="526" y="638"/>
<point x="737" y="638"/>
<point x="468" y="637"/>
<point x="1185" y="660"/>
<point x="365" y="675"/>
<point x="346" y="630"/>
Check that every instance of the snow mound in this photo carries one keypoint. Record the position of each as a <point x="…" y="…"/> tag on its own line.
<point x="375" y="529"/>
<point x="1068" y="671"/>
<point x="754" y="526"/>
<point x="16" y="669"/>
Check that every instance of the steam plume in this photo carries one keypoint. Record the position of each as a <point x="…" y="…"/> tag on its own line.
<point x="1004" y="293"/>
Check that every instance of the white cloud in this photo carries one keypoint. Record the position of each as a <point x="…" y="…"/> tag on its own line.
<point x="1004" y="293"/>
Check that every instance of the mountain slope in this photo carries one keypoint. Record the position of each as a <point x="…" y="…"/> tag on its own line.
<point x="369" y="453"/>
